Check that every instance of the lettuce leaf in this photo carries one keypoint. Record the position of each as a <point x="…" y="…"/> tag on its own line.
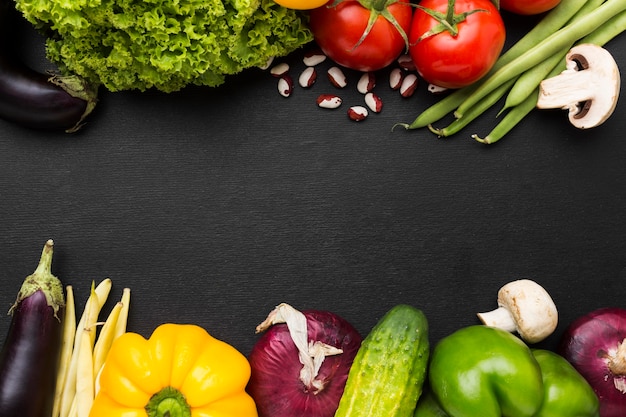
<point x="164" y="44"/>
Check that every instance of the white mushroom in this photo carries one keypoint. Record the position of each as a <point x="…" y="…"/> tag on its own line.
<point x="588" y="88"/>
<point x="524" y="307"/>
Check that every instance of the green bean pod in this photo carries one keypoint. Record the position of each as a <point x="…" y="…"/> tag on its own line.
<point x="611" y="29"/>
<point x="553" y="44"/>
<point x="458" y="124"/>
<point x="528" y="82"/>
<point x="600" y="37"/>
<point x="530" y="79"/>
<point x="510" y="120"/>
<point x="553" y="21"/>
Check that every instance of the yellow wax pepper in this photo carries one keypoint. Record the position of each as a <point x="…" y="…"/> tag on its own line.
<point x="180" y="371"/>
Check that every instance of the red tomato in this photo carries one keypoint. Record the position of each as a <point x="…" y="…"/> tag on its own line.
<point x="457" y="61"/>
<point x="337" y="30"/>
<point x="528" y="7"/>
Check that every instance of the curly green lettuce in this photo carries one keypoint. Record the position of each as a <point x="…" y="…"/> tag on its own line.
<point x="164" y="44"/>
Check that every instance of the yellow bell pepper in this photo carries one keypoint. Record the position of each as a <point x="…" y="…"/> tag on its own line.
<point x="180" y="371"/>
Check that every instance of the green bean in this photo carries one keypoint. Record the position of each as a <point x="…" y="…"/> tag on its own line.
<point x="554" y="20"/>
<point x="600" y="37"/>
<point x="551" y="45"/>
<point x="510" y="120"/>
<point x="516" y="114"/>
<point x="458" y="124"/>
<point x="440" y="109"/>
<point x="530" y="79"/>
<point x="609" y="30"/>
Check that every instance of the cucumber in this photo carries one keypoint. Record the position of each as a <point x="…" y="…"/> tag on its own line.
<point x="387" y="375"/>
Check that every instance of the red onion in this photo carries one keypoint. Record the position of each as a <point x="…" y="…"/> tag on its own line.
<point x="596" y="345"/>
<point x="299" y="369"/>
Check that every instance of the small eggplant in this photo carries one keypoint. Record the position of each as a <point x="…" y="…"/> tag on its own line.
<point x="29" y="358"/>
<point x="34" y="99"/>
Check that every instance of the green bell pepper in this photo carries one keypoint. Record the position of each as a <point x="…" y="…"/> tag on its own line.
<point x="567" y="393"/>
<point x="427" y="406"/>
<point x="480" y="371"/>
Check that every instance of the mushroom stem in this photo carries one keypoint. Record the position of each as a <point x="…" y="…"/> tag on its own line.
<point x="524" y="307"/>
<point x="568" y="89"/>
<point x="588" y="88"/>
<point x="500" y="318"/>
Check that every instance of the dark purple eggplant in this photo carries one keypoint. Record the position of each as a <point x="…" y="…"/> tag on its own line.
<point x="29" y="358"/>
<point x="31" y="98"/>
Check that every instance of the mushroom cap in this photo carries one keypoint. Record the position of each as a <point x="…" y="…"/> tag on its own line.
<point x="532" y="308"/>
<point x="589" y="88"/>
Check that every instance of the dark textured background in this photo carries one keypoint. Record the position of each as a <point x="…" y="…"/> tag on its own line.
<point x="214" y="205"/>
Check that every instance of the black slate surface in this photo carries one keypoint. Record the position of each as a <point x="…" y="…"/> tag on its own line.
<point x="214" y="205"/>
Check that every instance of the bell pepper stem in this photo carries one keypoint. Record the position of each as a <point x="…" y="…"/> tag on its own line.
<point x="169" y="402"/>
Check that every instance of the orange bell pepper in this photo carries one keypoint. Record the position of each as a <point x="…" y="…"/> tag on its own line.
<point x="180" y="371"/>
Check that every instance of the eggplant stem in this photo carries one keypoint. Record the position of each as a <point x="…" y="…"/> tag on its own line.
<point x="43" y="280"/>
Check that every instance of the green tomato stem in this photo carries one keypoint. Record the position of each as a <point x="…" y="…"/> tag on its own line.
<point x="448" y="21"/>
<point x="450" y="11"/>
<point x="375" y="5"/>
<point x="378" y="8"/>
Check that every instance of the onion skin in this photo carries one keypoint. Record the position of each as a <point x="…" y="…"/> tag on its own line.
<point x="275" y="381"/>
<point x="592" y="345"/>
